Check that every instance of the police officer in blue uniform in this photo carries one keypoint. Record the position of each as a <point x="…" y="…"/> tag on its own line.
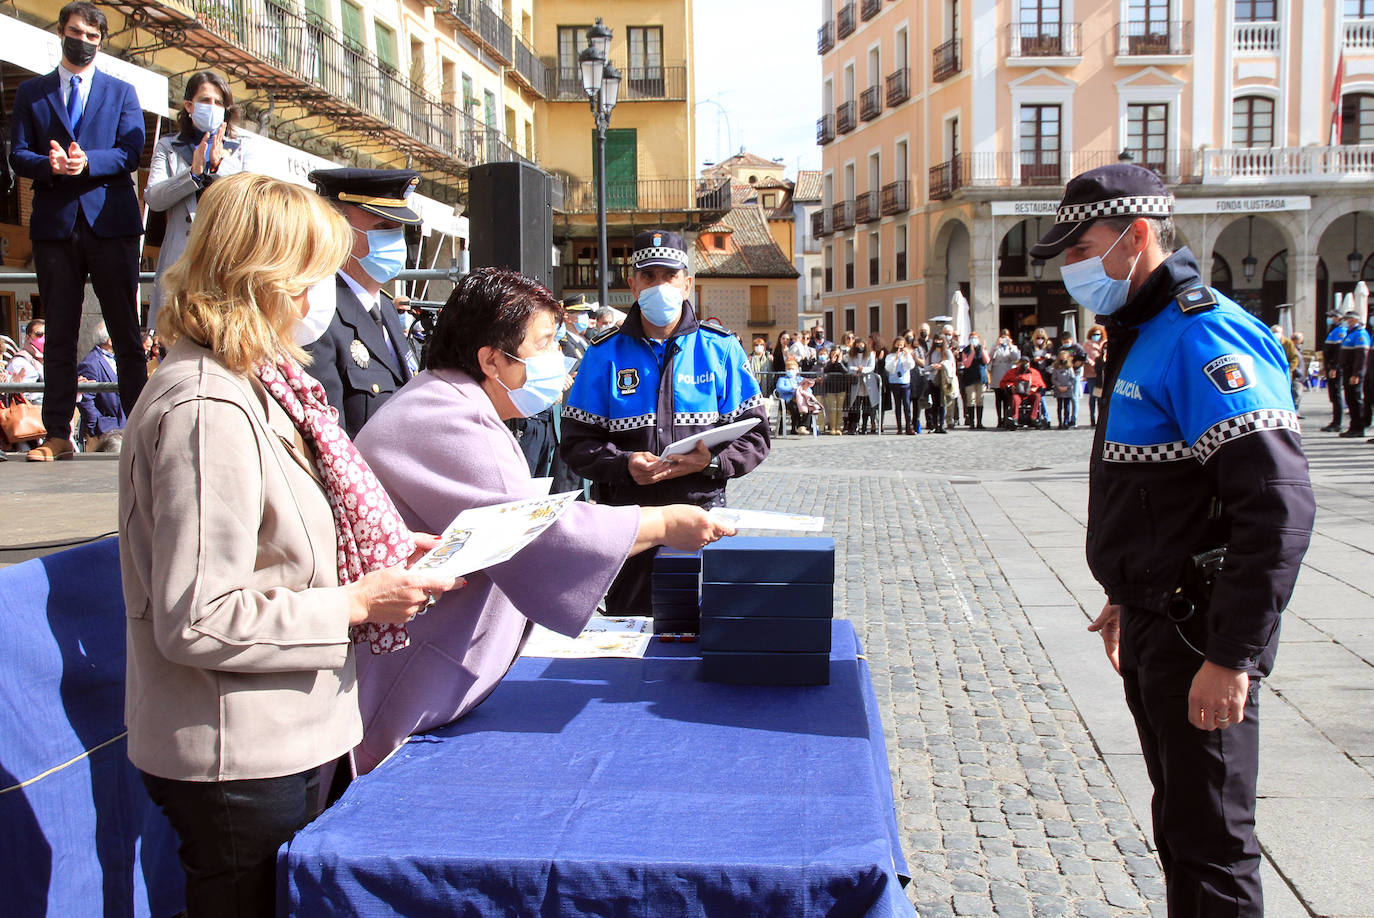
<point x="1199" y="512"/>
<point x="362" y="356"/>
<point x="663" y="375"/>
<point x="1331" y="366"/>
<point x="1354" y="361"/>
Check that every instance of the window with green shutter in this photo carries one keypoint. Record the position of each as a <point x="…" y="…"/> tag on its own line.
<point x="386" y="48"/>
<point x="622" y="168"/>
<point x="351" y="25"/>
<point x="317" y="12"/>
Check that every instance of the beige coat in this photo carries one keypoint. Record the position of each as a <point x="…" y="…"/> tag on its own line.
<point x="239" y="660"/>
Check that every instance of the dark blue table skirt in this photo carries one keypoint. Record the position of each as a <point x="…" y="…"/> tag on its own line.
<point x="626" y="788"/>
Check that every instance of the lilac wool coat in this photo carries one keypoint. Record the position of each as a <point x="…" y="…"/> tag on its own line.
<point x="438" y="448"/>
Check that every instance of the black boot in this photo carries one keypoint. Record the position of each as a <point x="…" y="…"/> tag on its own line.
<point x="979" y="413"/>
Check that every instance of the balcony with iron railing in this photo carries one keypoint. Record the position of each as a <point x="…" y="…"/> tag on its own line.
<point x="870" y="8"/>
<point x="761" y="316"/>
<point x="1155" y="39"/>
<point x="825" y="38"/>
<point x="481" y="22"/>
<point x="871" y="103"/>
<point x="646" y="195"/>
<point x="811" y="244"/>
<point x="821" y="225"/>
<point x="844" y="117"/>
<point x="825" y="129"/>
<point x="866" y="207"/>
<point x="1039" y="41"/>
<point x="895" y="198"/>
<point x="637" y="84"/>
<point x="529" y="69"/>
<point x="1358" y="34"/>
<point x="973" y="172"/>
<point x="947" y="61"/>
<point x="945" y="179"/>
<point x="844" y="21"/>
<point x="481" y="143"/>
<point x="1256" y="37"/>
<point x="582" y="275"/>
<point x="842" y="216"/>
<point x="898" y="86"/>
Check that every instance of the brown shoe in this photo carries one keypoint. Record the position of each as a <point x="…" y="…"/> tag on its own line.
<point x="53" y="448"/>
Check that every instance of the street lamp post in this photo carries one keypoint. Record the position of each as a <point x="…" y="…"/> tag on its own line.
<point x="601" y="82"/>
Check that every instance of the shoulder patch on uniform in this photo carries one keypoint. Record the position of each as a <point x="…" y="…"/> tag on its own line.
<point x="1196" y="299"/>
<point x="1230" y="373"/>
<point x="604" y="335"/>
<point x="715" y="326"/>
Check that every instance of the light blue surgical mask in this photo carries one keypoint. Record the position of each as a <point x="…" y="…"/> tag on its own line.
<point x="386" y="253"/>
<point x="544" y="374"/>
<point x="206" y="116"/>
<point x="661" y="306"/>
<point x="580" y="322"/>
<point x="1089" y="284"/>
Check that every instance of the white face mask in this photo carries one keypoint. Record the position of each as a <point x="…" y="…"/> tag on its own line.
<point x="206" y="116"/>
<point x="1088" y="282"/>
<point x="323" y="303"/>
<point x="544" y="375"/>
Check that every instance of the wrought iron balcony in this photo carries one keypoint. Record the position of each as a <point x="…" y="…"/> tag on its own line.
<point x="894" y="198"/>
<point x="871" y="103"/>
<point x="637" y="84"/>
<point x="825" y="129"/>
<point x="825" y="38"/>
<point x="480" y="22"/>
<point x="1155" y="39"/>
<point x="844" y="21"/>
<point x="646" y="195"/>
<point x="844" y="117"/>
<point x="870" y="8"/>
<point x="529" y="69"/>
<point x="948" y="60"/>
<point x="761" y="316"/>
<point x="820" y="223"/>
<point x="842" y="216"/>
<point x="1044" y="39"/>
<point x="582" y="276"/>
<point x="866" y="207"/>
<point x="898" y="87"/>
<point x="945" y="179"/>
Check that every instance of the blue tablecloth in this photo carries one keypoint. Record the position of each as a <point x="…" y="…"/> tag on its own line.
<point x="626" y="788"/>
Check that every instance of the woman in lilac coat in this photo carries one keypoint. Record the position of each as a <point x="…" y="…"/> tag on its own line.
<point x="440" y="446"/>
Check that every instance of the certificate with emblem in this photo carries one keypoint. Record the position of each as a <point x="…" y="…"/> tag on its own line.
<point x="482" y="536"/>
<point x="716" y="436"/>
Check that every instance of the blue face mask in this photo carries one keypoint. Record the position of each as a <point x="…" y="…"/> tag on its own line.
<point x="544" y="374"/>
<point x="661" y="305"/>
<point x="581" y="322"/>
<point x="1089" y="284"/>
<point x="386" y="253"/>
<point x="560" y="333"/>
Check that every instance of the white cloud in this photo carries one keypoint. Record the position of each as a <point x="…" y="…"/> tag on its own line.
<point x="757" y="61"/>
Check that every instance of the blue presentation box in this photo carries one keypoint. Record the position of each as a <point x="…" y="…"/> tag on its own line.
<point x="674" y="560"/>
<point x="686" y="624"/>
<point x="672" y="596"/>
<point x="756" y="559"/>
<point x="794" y="635"/>
<point x="766" y="668"/>
<point x="768" y="600"/>
<point x="676" y="581"/>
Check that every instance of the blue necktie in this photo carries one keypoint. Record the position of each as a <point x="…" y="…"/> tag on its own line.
<point x="74" y="103"/>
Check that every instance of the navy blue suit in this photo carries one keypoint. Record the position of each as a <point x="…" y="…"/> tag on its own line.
<point x="83" y="225"/>
<point x="101" y="412"/>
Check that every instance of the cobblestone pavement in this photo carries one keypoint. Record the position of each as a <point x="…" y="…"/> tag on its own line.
<point x="1005" y="806"/>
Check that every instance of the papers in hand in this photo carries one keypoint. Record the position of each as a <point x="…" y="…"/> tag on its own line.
<point x="714" y="437"/>
<point x="482" y="536"/>
<point x="767" y="519"/>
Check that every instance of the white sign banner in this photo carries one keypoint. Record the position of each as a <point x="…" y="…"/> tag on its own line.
<point x="1181" y="206"/>
<point x="1024" y="208"/>
<point x="38" y="51"/>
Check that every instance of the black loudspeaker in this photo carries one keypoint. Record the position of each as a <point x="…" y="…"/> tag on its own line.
<point x="510" y="219"/>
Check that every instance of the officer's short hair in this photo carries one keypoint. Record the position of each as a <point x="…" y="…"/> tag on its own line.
<point x="490" y="307"/>
<point x="605" y="312"/>
<point x="1163" y="228"/>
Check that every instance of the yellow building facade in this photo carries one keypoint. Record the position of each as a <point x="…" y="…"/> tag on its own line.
<point x="948" y="130"/>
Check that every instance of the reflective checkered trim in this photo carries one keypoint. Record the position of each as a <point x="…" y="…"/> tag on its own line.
<point x="643" y="420"/>
<point x="657" y="252"/>
<point x="695" y="418"/>
<point x="586" y="417"/>
<point x="754" y="401"/>
<point x="1242" y="425"/>
<point x="1141" y="205"/>
<point x="1155" y="452"/>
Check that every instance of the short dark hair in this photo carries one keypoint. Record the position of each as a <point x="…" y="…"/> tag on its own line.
<point x="32" y="324"/>
<point x="491" y="307"/>
<point x="1163" y="227"/>
<point x="87" y="11"/>
<point x="197" y="80"/>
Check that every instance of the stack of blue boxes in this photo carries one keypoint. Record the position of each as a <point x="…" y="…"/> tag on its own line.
<point x="675" y="589"/>
<point x="766" y="608"/>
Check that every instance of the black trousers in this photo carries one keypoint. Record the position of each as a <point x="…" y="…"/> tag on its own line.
<point x="62" y="267"/>
<point x="1354" y="403"/>
<point x="1205" y="783"/>
<point x="1333" y="392"/>
<point x="230" y="832"/>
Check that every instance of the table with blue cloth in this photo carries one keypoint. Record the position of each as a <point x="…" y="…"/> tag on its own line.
<point x="623" y="787"/>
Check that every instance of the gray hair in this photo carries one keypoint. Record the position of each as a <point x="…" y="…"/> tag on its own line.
<point x="102" y="334"/>
<point x="606" y="313"/>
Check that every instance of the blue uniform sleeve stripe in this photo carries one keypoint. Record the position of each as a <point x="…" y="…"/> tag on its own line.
<point x="1243" y="425"/>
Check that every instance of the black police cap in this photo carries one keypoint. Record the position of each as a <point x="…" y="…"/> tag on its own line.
<point x="660" y="248"/>
<point x="578" y="302"/>
<point x="384" y="192"/>
<point x="1118" y="190"/>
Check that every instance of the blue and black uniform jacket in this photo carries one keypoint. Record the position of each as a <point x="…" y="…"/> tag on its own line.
<point x="634" y="394"/>
<point x="1198" y="446"/>
<point x="1355" y="353"/>
<point x="1331" y="349"/>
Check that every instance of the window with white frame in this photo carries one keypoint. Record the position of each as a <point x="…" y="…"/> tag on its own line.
<point x="1147" y="133"/>
<point x="1252" y="121"/>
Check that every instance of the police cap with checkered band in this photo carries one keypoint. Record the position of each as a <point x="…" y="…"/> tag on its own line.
<point x="659" y="248"/>
<point x="1118" y="190"/>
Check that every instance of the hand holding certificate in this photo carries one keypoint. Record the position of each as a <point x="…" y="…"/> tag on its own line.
<point x="716" y="436"/>
<point x="767" y="519"/>
<point x="482" y="536"/>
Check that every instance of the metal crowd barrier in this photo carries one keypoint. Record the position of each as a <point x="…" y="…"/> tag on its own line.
<point x="853" y="409"/>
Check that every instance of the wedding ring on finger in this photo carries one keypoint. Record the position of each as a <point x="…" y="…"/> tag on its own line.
<point x="1222" y="718"/>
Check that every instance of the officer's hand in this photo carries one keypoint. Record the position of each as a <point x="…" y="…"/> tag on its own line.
<point x="1217" y="699"/>
<point x="687" y="463"/>
<point x="689" y="528"/>
<point x="1108" y="625"/>
<point x="1355" y="380"/>
<point x="1331" y="374"/>
<point x="646" y="469"/>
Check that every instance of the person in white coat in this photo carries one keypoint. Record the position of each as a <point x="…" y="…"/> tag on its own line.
<point x="206" y="147"/>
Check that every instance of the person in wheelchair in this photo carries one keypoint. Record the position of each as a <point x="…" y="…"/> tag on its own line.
<point x="1024" y="387"/>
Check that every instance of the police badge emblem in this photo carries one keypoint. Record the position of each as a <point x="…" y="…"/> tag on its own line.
<point x="358" y="351"/>
<point x="1229" y="373"/>
<point x="627" y="381"/>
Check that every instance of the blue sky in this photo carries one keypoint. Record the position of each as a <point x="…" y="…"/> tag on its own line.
<point x="758" y="72"/>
